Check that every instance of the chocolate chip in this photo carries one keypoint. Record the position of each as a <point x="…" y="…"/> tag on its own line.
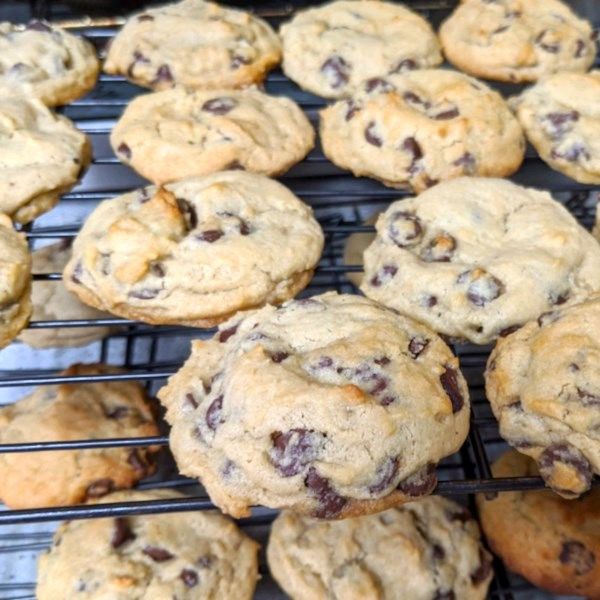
<point x="157" y="269"/>
<point x="559" y="298"/>
<point x="352" y="109"/>
<point x="405" y="229"/>
<point x="548" y="317"/>
<point x="578" y="556"/>
<point x="77" y="273"/>
<point x="385" y="476"/>
<point x="157" y="554"/>
<point x="293" y="450"/>
<point x="588" y="398"/>
<point x="430" y="301"/>
<point x="371" y="135"/>
<point x="569" y="457"/>
<point x="144" y="293"/>
<point x="189" y="578"/>
<point x="560" y="122"/>
<point x="417" y="345"/>
<point x="237" y="61"/>
<point x="444" y="595"/>
<point x="138" y="57"/>
<point x="462" y="516"/>
<point x="450" y="113"/>
<point x="137" y="462"/>
<point x="467" y="162"/>
<point x="336" y="70"/>
<point x="420" y="483"/>
<point x="407" y="64"/>
<point x="412" y="98"/>
<point x="163" y="74"/>
<point x="210" y="235"/>
<point x="438" y="552"/>
<point x="122" y="533"/>
<point x="500" y="29"/>
<point x="145" y="18"/>
<point x="219" y="106"/>
<point x="189" y="213"/>
<point x="384" y="275"/>
<point x="572" y="154"/>
<point x="579" y="48"/>
<point x="508" y="330"/>
<point x="278" y="357"/>
<point x="383" y="361"/>
<point x="213" y="414"/>
<point x="205" y="562"/>
<point x="191" y="400"/>
<point x="440" y="249"/>
<point x="379" y="84"/>
<point x="330" y="503"/>
<point x="483" y="571"/>
<point x="449" y="381"/>
<point x="125" y="150"/>
<point x="551" y="47"/>
<point x="414" y="149"/>
<point x="325" y="362"/>
<point x="100" y="487"/>
<point x="116" y="412"/>
<point x="225" y="334"/>
<point x="36" y="25"/>
<point x="483" y="286"/>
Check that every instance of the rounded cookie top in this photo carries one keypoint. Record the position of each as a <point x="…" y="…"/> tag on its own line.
<point x="435" y="540"/>
<point x="419" y="127"/>
<point x="173" y="134"/>
<point x="517" y="40"/>
<point x="561" y="119"/>
<point x="75" y="411"/>
<point x="195" y="251"/>
<point x="186" y="555"/>
<point x="196" y="44"/>
<point x="332" y="405"/>
<point x="46" y="62"/>
<point x="552" y="542"/>
<point x="15" y="281"/>
<point x="51" y="301"/>
<point x="543" y="385"/>
<point x="41" y="156"/>
<point x="474" y="258"/>
<point x="324" y="48"/>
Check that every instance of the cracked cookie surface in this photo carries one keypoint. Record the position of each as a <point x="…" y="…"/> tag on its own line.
<point x="195" y="251"/>
<point x="331" y="49"/>
<point x="517" y="40"/>
<point x="543" y="384"/>
<point x="75" y="411"/>
<point x="174" y="134"/>
<point x="195" y="44"/>
<point x="434" y="545"/>
<point x="331" y="405"/>
<point x="187" y="555"/>
<point x="419" y="127"/>
<point x="474" y="258"/>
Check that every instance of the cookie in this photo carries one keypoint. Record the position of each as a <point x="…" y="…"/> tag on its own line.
<point x="41" y="156"/>
<point x="422" y="550"/>
<point x="331" y="49"/>
<point x="561" y="119"/>
<point x="419" y="127"/>
<point x="517" y="40"/>
<point x="196" y="44"/>
<point x="543" y="384"/>
<point x="552" y="542"/>
<point x="76" y="411"/>
<point x="46" y="62"/>
<point x="475" y="258"/>
<point x="15" y="281"/>
<point x="188" y="555"/>
<point x="196" y="251"/>
<point x="51" y="302"/>
<point x="174" y="134"/>
<point x="333" y="406"/>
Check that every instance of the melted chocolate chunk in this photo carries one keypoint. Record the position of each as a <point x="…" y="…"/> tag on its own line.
<point x="548" y="317"/>
<point x="438" y="552"/>
<point x="412" y="98"/>
<point x="406" y="64"/>
<point x="588" y="398"/>
<point x="420" y="483"/>
<point x="450" y="113"/>
<point x="411" y="146"/>
<point x="330" y="503"/>
<point x="508" y="330"/>
<point x="576" y="554"/>
<point x="405" y="229"/>
<point x="572" y="154"/>
<point x="483" y="287"/>
<point x="219" y="106"/>
<point x="371" y="135"/>
<point x="191" y="400"/>
<point x="449" y="381"/>
<point x="125" y="150"/>
<point x="157" y="554"/>
<point x="293" y="450"/>
<point x="385" y="476"/>
<point x="430" y="301"/>
<point x="157" y="269"/>
<point x="163" y="74"/>
<point x="136" y="460"/>
<point x="188" y="212"/>
<point x="336" y="70"/>
<point x="352" y="109"/>
<point x="99" y="488"/>
<point x="379" y="84"/>
<point x="122" y="533"/>
<point x="144" y="293"/>
<point x="568" y="456"/>
<point x="467" y="162"/>
<point x="237" y="61"/>
<point x="278" y="357"/>
<point x="580" y="49"/>
<point x="210" y="235"/>
<point x="482" y="572"/>
<point x="417" y="345"/>
<point x="551" y="47"/>
<point x="382" y="362"/>
<point x="440" y="249"/>
<point x="225" y="334"/>
<point x="213" y="414"/>
<point x="384" y="275"/>
<point x="189" y="577"/>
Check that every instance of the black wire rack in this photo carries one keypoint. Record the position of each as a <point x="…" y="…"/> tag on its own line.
<point x="150" y="353"/>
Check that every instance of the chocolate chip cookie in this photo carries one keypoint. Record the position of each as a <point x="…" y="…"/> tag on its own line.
<point x="75" y="411"/>
<point x="517" y="40"/>
<point x="544" y="387"/>
<point x="195" y="44"/>
<point x="196" y="251"/>
<point x="434" y="546"/>
<point x="51" y="302"/>
<point x="15" y="282"/>
<point x="419" y="127"/>
<point x="552" y="542"/>
<point x="173" y="134"/>
<point x="333" y="405"/>
<point x="475" y="258"/>
<point x="46" y="62"/>
<point x="561" y="119"/>
<point x="331" y="49"/>
<point x="187" y="556"/>
<point x="41" y="156"/>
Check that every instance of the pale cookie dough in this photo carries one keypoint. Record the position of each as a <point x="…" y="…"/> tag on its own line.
<point x="174" y="134"/>
<point x="196" y="251"/>
<point x="196" y="44"/>
<point x="552" y="542"/>
<point x="425" y="550"/>
<point x="15" y="282"/>
<point x="41" y="156"/>
<point x="517" y="40"/>
<point x="543" y="384"/>
<point x="331" y="49"/>
<point x="561" y="118"/>
<point x="333" y="406"/>
<point x="474" y="258"/>
<point x="183" y="556"/>
<point x="420" y="127"/>
<point x="51" y="302"/>
<point x="75" y="411"/>
<point x="42" y="61"/>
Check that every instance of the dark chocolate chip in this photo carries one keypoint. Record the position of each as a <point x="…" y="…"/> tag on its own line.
<point x="407" y="64"/>
<point x="384" y="275"/>
<point x="379" y="84"/>
<point x="336" y="70"/>
<point x="560" y="122"/>
<point x="189" y="213"/>
<point x="483" y="286"/>
<point x="100" y="487"/>
<point x="450" y="113"/>
<point x="352" y="109"/>
<point x="440" y="249"/>
<point x="206" y="562"/>
<point x="325" y="362"/>
<point x="420" y="483"/>
<point x="36" y="25"/>
<point x="122" y="533"/>
<point x="237" y="61"/>
<point x="430" y="301"/>
<point x="225" y="334"/>
<point x="568" y="456"/>
<point x="157" y="269"/>
<point x="293" y="450"/>
<point x="189" y="577"/>
<point x="417" y="345"/>
<point x="551" y="47"/>
<point x="412" y="98"/>
<point x="588" y="398"/>
<point x="144" y="293"/>
<point x="210" y="235"/>
<point x="405" y="229"/>
<point x="77" y="273"/>
<point x="508" y="330"/>
<point x="213" y="414"/>
<point x="449" y="381"/>
<point x="330" y="503"/>
<point x="572" y="154"/>
<point x="385" y="475"/>
<point x="163" y="74"/>
<point x="278" y="357"/>
<point x="383" y="361"/>
<point x="438" y="552"/>
<point x="467" y="162"/>
<point x="579" y="48"/>
<point x="548" y="317"/>
<point x="576" y="554"/>
<point x="125" y="150"/>
<point x="219" y="106"/>
<point x="191" y="400"/>
<point x="157" y="554"/>
<point x="483" y="571"/>
<point x="371" y="136"/>
<point x="411" y="146"/>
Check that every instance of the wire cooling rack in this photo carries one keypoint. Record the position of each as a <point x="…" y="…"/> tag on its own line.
<point x="150" y="353"/>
